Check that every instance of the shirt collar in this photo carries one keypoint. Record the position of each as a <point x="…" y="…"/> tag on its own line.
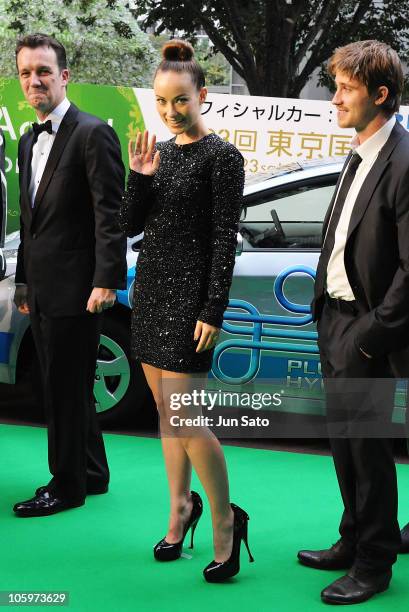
<point x="371" y="147"/>
<point x="57" y="114"/>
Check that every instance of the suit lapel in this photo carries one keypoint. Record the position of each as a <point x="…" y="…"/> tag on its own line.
<point x="26" y="170"/>
<point x="373" y="178"/>
<point x="365" y="194"/>
<point x="64" y="132"/>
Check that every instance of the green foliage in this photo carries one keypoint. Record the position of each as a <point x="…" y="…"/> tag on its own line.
<point x="103" y="40"/>
<point x="214" y="64"/>
<point x="276" y="46"/>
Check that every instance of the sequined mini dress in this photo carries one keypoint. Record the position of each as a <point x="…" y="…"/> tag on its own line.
<point x="189" y="212"/>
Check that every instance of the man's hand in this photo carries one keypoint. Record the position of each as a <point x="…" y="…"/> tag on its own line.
<point x="207" y="336"/>
<point x="20" y="299"/>
<point x="100" y="299"/>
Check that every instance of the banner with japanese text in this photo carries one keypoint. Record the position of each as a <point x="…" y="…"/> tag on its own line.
<point x="267" y="131"/>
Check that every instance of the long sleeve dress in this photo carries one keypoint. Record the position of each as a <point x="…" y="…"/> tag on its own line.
<point x="189" y="212"/>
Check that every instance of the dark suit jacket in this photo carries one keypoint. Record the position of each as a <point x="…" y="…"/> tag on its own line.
<point x="377" y="255"/>
<point x="70" y="240"/>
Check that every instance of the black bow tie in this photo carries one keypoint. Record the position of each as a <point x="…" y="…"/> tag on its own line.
<point x="47" y="126"/>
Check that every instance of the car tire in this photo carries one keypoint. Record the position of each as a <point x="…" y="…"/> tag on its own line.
<point x="123" y="398"/>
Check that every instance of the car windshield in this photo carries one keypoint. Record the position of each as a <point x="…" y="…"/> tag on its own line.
<point x="282" y="169"/>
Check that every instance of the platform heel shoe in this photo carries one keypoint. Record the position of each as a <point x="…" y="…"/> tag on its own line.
<point x="164" y="551"/>
<point x="219" y="572"/>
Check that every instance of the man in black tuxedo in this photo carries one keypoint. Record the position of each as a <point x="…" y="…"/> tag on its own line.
<point x="72" y="257"/>
<point x="362" y="313"/>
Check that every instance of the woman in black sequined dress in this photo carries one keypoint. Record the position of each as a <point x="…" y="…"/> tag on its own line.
<point x="185" y="194"/>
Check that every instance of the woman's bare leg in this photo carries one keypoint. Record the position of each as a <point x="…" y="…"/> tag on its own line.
<point x="178" y="466"/>
<point x="206" y="456"/>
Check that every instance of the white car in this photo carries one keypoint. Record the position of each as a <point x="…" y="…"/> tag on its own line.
<point x="267" y="330"/>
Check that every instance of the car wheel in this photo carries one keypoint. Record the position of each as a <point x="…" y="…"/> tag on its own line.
<point x="122" y="396"/>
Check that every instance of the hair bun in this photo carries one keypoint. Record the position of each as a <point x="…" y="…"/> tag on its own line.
<point x="177" y="51"/>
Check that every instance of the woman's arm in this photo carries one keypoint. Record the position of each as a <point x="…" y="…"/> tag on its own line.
<point x="227" y="194"/>
<point x="136" y="203"/>
<point x="143" y="163"/>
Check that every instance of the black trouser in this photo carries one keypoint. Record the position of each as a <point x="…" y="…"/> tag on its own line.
<point x="67" y="349"/>
<point x="357" y="412"/>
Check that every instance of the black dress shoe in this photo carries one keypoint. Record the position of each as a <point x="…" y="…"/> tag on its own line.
<point x="405" y="539"/>
<point x="339" y="556"/>
<point x="91" y="489"/>
<point x="356" y="587"/>
<point x="164" y="551"/>
<point x="97" y="489"/>
<point x="44" y="505"/>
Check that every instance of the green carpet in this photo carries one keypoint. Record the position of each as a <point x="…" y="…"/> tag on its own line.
<point x="102" y="553"/>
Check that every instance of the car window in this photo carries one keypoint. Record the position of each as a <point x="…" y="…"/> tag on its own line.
<point x="289" y="218"/>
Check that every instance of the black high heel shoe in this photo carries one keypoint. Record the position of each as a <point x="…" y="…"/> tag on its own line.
<point x="219" y="572"/>
<point x="164" y="551"/>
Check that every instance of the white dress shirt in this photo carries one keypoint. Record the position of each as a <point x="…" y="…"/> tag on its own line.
<point x="337" y="281"/>
<point x="42" y="148"/>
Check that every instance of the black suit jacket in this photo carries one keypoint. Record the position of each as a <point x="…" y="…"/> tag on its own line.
<point x="70" y="240"/>
<point x="377" y="255"/>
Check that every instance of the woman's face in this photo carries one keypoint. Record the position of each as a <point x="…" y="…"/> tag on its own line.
<point x="178" y="100"/>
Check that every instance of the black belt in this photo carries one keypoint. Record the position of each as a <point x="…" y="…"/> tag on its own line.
<point x="344" y="306"/>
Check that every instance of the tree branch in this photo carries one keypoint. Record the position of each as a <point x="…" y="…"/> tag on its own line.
<point x="219" y="42"/>
<point x="273" y="18"/>
<point x="323" y="51"/>
<point x="326" y="12"/>
<point x="280" y="25"/>
<point x="238" y="31"/>
<point x="299" y="7"/>
<point x="239" y="63"/>
<point x="362" y="8"/>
